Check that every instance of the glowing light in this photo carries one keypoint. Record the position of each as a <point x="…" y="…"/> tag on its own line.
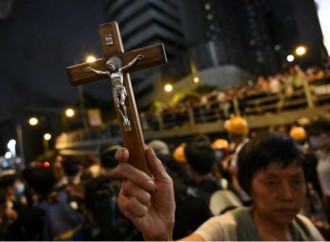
<point x="47" y="136"/>
<point x="8" y="155"/>
<point x="69" y="112"/>
<point x="301" y="50"/>
<point x="168" y="88"/>
<point x="11" y="144"/>
<point x="290" y="58"/>
<point x="46" y="164"/>
<point x="323" y="11"/>
<point x="5" y="164"/>
<point x="33" y="121"/>
<point x="90" y="59"/>
<point x="196" y="79"/>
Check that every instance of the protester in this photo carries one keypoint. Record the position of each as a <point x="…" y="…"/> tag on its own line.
<point x="101" y="196"/>
<point x="319" y="133"/>
<point x="238" y="130"/>
<point x="201" y="159"/>
<point x="60" y="221"/>
<point x="270" y="170"/>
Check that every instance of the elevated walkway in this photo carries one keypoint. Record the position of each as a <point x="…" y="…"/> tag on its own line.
<point x="260" y="110"/>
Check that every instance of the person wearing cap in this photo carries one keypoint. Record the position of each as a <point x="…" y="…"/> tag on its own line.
<point x="299" y="134"/>
<point x="180" y="165"/>
<point x="221" y="150"/>
<point x="179" y="155"/>
<point x="238" y="130"/>
<point x="270" y="171"/>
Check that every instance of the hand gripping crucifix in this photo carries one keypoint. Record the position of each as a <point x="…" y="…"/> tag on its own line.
<point x="114" y="65"/>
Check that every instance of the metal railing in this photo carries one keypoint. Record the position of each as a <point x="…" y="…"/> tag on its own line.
<point x="188" y="116"/>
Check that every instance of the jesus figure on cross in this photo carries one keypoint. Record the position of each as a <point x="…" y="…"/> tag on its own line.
<point x="115" y="73"/>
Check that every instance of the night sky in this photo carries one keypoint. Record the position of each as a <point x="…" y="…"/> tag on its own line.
<point x="38" y="41"/>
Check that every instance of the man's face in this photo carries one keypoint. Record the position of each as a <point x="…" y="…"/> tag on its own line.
<point x="278" y="193"/>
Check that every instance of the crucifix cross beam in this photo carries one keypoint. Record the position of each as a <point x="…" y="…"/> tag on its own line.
<point x="114" y="65"/>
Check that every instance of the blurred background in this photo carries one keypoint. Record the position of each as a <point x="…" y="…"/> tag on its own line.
<point x="216" y="50"/>
<point x="236" y="70"/>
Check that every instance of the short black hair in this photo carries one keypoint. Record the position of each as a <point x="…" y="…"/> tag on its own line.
<point x="259" y="152"/>
<point x="8" y="180"/>
<point x="107" y="156"/>
<point x="40" y="179"/>
<point x="200" y="155"/>
<point x="318" y="127"/>
<point x="71" y="165"/>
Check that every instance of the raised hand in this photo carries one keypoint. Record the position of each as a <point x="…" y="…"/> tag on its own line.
<point x="147" y="201"/>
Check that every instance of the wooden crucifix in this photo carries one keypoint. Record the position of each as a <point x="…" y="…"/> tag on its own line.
<point x="115" y="65"/>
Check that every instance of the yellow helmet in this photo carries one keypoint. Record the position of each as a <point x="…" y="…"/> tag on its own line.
<point x="179" y="155"/>
<point x="298" y="133"/>
<point x="237" y="125"/>
<point x="220" y="144"/>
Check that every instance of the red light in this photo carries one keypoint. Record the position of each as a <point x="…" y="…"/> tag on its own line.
<point x="38" y="163"/>
<point x="46" y="164"/>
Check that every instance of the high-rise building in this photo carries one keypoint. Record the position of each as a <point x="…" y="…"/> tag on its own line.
<point x="197" y="34"/>
<point x="271" y="30"/>
<point x="253" y="35"/>
<point x="144" y="22"/>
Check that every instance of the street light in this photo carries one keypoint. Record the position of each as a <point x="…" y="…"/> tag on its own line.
<point x="300" y="50"/>
<point x="8" y="155"/>
<point x="196" y="79"/>
<point x="168" y="88"/>
<point x="290" y="58"/>
<point x="69" y="112"/>
<point x="33" y="121"/>
<point x="47" y="137"/>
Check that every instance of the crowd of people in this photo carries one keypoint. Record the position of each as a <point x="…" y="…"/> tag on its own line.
<point x="281" y="177"/>
<point x="282" y="85"/>
<point x="258" y="178"/>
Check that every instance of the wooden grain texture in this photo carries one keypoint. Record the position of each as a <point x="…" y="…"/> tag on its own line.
<point x="153" y="55"/>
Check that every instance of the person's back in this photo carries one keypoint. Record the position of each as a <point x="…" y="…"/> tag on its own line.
<point x="60" y="221"/>
<point x="101" y="200"/>
<point x="201" y="158"/>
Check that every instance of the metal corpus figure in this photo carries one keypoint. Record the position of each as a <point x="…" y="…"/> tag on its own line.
<point x="115" y="73"/>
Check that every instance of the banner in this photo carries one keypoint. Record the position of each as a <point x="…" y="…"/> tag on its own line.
<point x="94" y="117"/>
